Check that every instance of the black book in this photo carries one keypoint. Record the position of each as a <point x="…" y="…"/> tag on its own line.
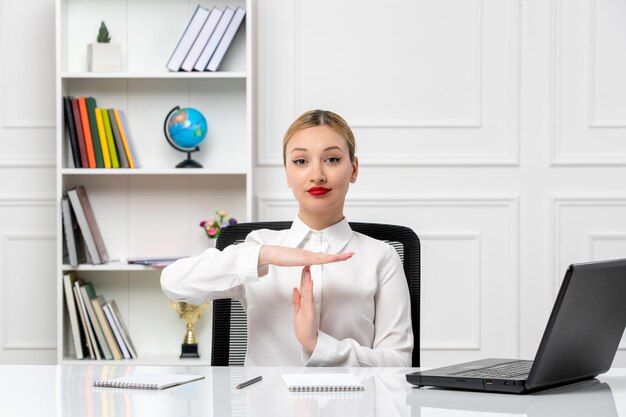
<point x="71" y="128"/>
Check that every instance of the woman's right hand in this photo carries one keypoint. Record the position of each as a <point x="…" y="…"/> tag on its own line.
<point x="286" y="256"/>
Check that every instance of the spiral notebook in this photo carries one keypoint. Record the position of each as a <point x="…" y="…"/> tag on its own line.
<point x="322" y="382"/>
<point x="146" y="381"/>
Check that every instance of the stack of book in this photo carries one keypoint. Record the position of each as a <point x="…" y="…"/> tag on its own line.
<point x="83" y="240"/>
<point x="206" y="39"/>
<point x="99" y="138"/>
<point x="97" y="327"/>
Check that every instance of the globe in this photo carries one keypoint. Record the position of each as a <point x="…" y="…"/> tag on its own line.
<point x="185" y="129"/>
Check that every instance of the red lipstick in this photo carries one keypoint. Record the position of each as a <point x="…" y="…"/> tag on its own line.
<point x="317" y="191"/>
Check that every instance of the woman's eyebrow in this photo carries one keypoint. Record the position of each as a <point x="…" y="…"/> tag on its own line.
<point x="306" y="150"/>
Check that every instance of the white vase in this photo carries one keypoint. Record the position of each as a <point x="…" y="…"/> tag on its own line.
<point x="212" y="243"/>
<point x="104" y="57"/>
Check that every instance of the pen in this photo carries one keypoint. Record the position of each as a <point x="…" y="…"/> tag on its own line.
<point x="252" y="381"/>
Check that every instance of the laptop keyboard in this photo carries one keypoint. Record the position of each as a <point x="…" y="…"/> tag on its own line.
<point x="506" y="370"/>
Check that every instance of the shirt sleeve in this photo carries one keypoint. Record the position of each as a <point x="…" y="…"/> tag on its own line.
<point x="214" y="274"/>
<point x="393" y="339"/>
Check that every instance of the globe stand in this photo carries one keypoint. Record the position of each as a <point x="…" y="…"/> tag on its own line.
<point x="189" y="163"/>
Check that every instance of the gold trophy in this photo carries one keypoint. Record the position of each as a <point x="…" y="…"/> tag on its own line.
<point x="190" y="313"/>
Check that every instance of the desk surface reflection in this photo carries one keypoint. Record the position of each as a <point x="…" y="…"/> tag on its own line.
<point x="67" y="391"/>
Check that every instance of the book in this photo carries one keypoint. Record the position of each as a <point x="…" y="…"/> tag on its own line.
<point x="126" y="133"/>
<point x="201" y="40"/>
<point x="125" y="144"/>
<point x="119" y="146"/>
<point x="97" y="303"/>
<point x="115" y="163"/>
<point x="88" y="225"/>
<point x="106" y="158"/>
<point x="187" y="39"/>
<point x="117" y="317"/>
<point x="153" y="261"/>
<point x="69" y="231"/>
<point x="214" y="40"/>
<point x="71" y="130"/>
<point x="106" y="308"/>
<point x="84" y="163"/>
<point x="147" y="381"/>
<point x="70" y="302"/>
<point x="84" y="319"/>
<point x="95" y="135"/>
<point x="227" y="39"/>
<point x="84" y="120"/>
<point x="89" y="294"/>
<point x="322" y="382"/>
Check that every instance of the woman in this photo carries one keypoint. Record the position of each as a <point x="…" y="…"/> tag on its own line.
<point x="317" y="294"/>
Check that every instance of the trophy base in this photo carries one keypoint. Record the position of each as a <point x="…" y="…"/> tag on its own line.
<point x="189" y="351"/>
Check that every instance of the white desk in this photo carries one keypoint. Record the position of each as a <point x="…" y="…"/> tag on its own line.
<point x="66" y="391"/>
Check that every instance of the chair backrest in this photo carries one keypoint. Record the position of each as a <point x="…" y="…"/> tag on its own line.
<point x="229" y="341"/>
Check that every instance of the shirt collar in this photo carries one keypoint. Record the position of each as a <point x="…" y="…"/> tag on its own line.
<point x="338" y="235"/>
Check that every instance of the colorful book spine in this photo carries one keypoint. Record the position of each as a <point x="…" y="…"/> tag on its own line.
<point x="84" y="163"/>
<point x="120" y="128"/>
<point x="106" y="158"/>
<point x="115" y="163"/>
<point x="71" y="130"/>
<point x="121" y="154"/>
<point x="84" y="119"/>
<point x="91" y="113"/>
<point x="129" y="139"/>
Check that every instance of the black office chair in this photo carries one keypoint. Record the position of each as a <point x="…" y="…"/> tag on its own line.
<point x="229" y="340"/>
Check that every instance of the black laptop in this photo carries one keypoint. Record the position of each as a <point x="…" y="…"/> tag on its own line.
<point x="580" y="340"/>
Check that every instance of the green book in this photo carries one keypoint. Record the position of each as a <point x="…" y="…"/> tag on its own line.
<point x="91" y="113"/>
<point x="88" y="295"/>
<point x="115" y="163"/>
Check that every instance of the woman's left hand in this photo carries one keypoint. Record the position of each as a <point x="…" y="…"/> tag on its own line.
<point x="305" y="317"/>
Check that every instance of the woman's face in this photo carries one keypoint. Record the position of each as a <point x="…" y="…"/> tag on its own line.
<point x="319" y="170"/>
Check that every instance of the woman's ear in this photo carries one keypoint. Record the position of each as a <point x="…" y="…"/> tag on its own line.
<point x="355" y="170"/>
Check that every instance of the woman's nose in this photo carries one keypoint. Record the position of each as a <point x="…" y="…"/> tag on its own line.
<point x="317" y="174"/>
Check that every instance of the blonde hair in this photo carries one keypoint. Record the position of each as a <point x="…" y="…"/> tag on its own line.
<point x="313" y="118"/>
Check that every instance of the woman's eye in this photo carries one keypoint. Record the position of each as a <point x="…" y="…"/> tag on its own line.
<point x="333" y="160"/>
<point x="299" y="161"/>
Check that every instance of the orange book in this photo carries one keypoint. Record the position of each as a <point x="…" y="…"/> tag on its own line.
<point x="84" y="118"/>
<point x="131" y="162"/>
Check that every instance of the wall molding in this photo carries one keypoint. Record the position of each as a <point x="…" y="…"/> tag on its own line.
<point x="27" y="161"/>
<point x="558" y="157"/>
<point x="9" y="342"/>
<point x="475" y="274"/>
<point x="557" y="203"/>
<point x="268" y="156"/>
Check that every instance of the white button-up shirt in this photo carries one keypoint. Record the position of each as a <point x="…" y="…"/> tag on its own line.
<point x="362" y="304"/>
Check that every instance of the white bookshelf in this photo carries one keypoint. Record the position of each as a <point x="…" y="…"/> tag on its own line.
<point x="154" y="210"/>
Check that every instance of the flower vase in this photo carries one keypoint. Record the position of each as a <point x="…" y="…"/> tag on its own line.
<point x="212" y="242"/>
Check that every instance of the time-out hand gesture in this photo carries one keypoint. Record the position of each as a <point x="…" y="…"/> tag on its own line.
<point x="305" y="317"/>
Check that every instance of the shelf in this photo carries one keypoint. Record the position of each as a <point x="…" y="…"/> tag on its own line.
<point x="154" y="75"/>
<point x="144" y="360"/>
<point x="153" y="171"/>
<point x="110" y="267"/>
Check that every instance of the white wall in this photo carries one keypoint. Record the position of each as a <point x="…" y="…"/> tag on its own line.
<point x="493" y="128"/>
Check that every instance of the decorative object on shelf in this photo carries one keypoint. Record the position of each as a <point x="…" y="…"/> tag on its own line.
<point x="214" y="226"/>
<point x="104" y="56"/>
<point x="190" y="313"/>
<point x="184" y="130"/>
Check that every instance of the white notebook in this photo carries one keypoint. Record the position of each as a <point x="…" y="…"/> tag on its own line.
<point x="146" y="381"/>
<point x="322" y="382"/>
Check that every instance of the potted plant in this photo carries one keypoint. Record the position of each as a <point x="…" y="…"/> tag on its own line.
<point x="104" y="56"/>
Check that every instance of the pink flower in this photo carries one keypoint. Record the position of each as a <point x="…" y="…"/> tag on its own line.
<point x="212" y="231"/>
